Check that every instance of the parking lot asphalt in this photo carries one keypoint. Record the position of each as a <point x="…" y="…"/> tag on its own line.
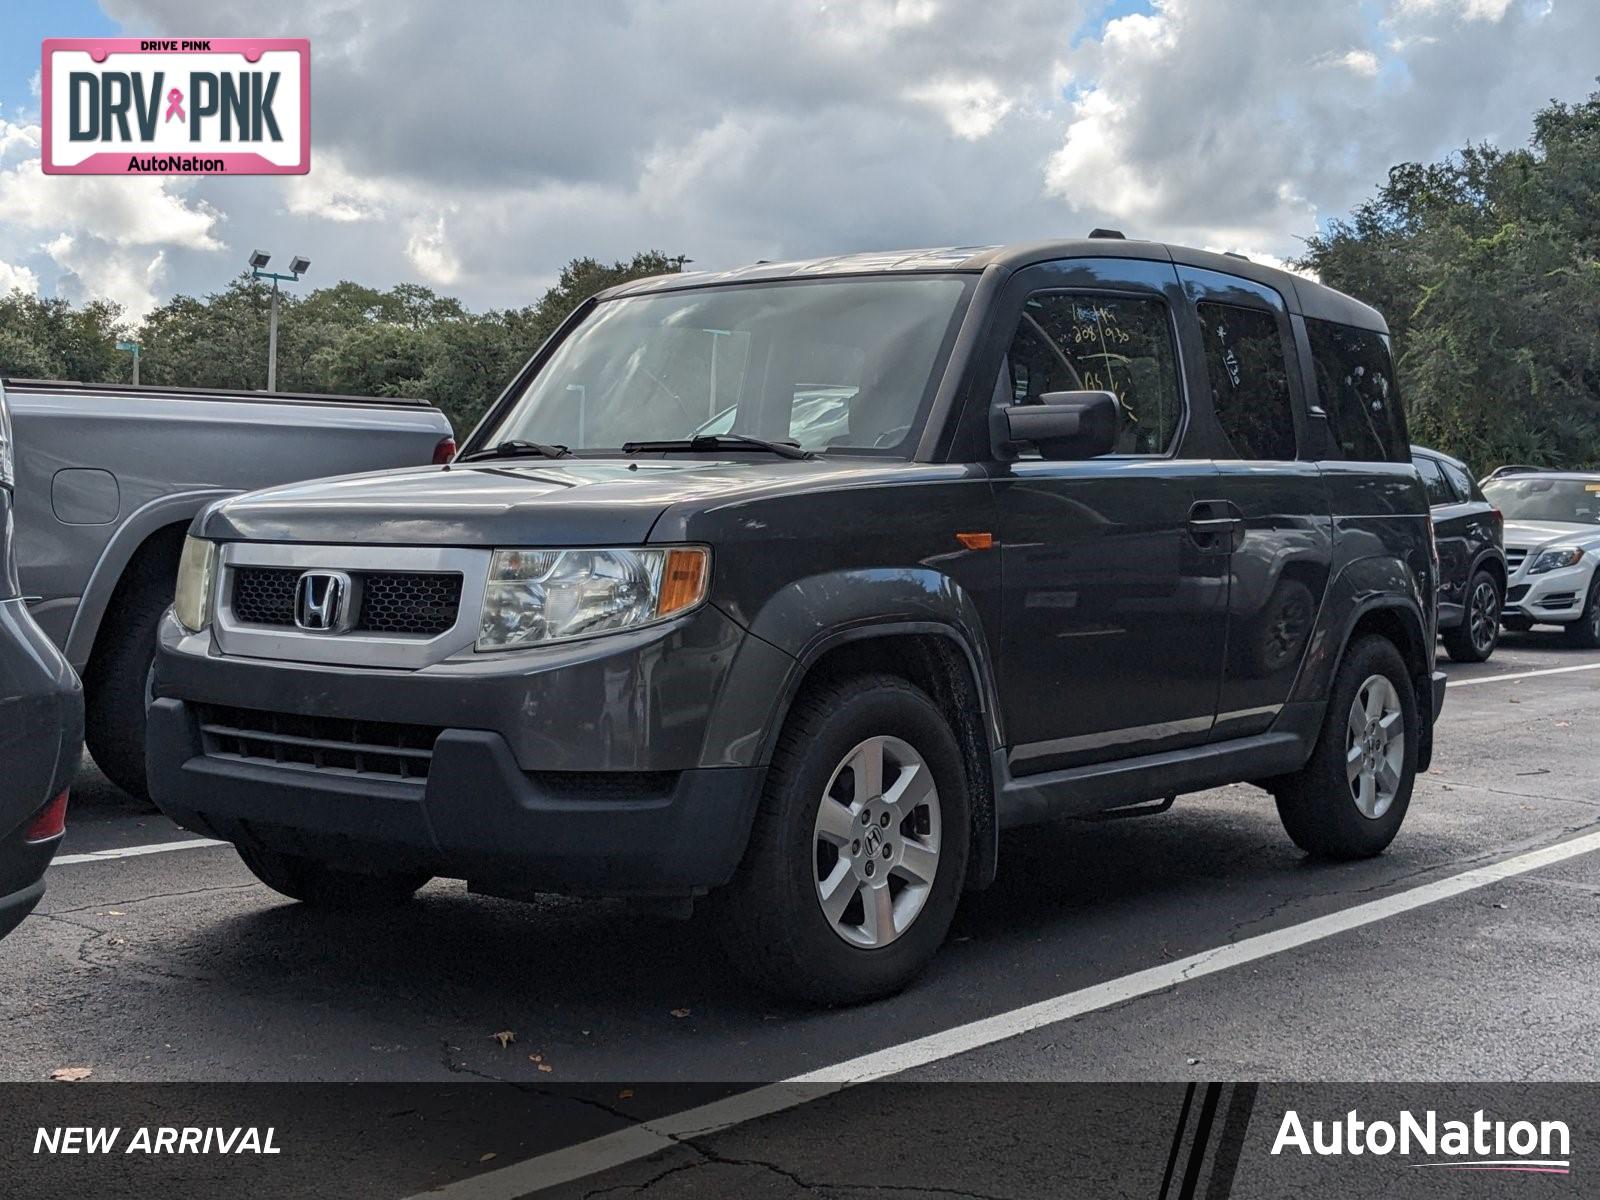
<point x="177" y="965"/>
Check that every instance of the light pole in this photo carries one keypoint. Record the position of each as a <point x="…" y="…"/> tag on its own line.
<point x="298" y="266"/>
<point x="132" y="348"/>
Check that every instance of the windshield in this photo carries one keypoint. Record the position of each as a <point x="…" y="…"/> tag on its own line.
<point x="841" y="364"/>
<point x="1574" y="501"/>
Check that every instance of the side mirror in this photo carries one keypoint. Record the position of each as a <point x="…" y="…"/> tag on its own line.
<point x="1063" y="425"/>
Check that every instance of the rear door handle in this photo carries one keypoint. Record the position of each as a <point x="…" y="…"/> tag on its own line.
<point x="1215" y="524"/>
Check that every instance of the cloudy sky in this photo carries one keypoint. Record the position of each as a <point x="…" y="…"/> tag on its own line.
<point x="476" y="145"/>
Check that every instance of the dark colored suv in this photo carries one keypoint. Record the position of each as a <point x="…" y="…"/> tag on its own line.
<point x="41" y="727"/>
<point x="1472" y="561"/>
<point x="791" y="586"/>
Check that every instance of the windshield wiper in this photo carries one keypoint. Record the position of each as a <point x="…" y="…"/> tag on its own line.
<point x="517" y="448"/>
<point x="719" y="441"/>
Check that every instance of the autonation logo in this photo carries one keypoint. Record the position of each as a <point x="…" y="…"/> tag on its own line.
<point x="1480" y="1144"/>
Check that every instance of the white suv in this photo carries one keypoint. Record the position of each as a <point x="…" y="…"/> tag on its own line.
<point x="1552" y="549"/>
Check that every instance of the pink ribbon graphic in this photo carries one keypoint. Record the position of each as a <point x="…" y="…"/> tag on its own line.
<point x="175" y="105"/>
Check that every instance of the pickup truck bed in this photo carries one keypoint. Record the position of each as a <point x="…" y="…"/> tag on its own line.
<point x="109" y="477"/>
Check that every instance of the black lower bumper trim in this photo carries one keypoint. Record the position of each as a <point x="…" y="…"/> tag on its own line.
<point x="17" y="905"/>
<point x="478" y="816"/>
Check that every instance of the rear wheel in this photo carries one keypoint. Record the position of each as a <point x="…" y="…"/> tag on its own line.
<point x="1584" y="633"/>
<point x="1349" y="800"/>
<point x="859" y="849"/>
<point x="1475" y="638"/>
<point x="323" y="886"/>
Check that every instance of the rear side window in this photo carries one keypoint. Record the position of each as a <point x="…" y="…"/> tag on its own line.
<point x="1070" y="341"/>
<point x="1249" y="382"/>
<point x="1465" y="489"/>
<point x="1439" y="491"/>
<point x="1355" y="387"/>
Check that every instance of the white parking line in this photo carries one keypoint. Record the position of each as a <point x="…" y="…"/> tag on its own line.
<point x="66" y="860"/>
<point x="1521" y="675"/>
<point x="651" y="1137"/>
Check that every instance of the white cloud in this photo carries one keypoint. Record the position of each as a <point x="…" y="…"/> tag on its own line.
<point x="93" y="268"/>
<point x="1358" y="62"/>
<point x="1467" y="10"/>
<point x="430" y="252"/>
<point x="970" y="107"/>
<point x="14" y="277"/>
<point x="118" y="210"/>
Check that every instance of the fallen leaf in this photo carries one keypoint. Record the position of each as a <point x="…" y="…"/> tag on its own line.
<point x="488" y="1156"/>
<point x="625" y="1094"/>
<point x="535" y="1058"/>
<point x="1563" y="724"/>
<point x="680" y="1013"/>
<point x="70" y="1074"/>
<point x="546" y="1067"/>
<point x="505" y="1037"/>
<point x="114" y="913"/>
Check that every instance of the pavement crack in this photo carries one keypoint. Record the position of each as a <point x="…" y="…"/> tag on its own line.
<point x="104" y="904"/>
<point x="461" y="1068"/>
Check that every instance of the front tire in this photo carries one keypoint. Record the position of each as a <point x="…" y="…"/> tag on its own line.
<point x="323" y="886"/>
<point x="859" y="851"/>
<point x="1475" y="638"/>
<point x="1349" y="800"/>
<point x="1584" y="633"/>
<point x="116" y="681"/>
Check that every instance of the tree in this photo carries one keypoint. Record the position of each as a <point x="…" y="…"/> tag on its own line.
<point x="1485" y="266"/>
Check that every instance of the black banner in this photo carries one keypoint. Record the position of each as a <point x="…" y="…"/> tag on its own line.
<point x="489" y="1141"/>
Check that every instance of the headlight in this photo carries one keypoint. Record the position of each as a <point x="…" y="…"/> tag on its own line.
<point x="539" y="596"/>
<point x="197" y="573"/>
<point x="1556" y="558"/>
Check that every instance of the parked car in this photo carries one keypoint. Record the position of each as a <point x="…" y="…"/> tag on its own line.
<point x="812" y="673"/>
<point x="1552" y="533"/>
<point x="110" y="478"/>
<point x="1469" y="532"/>
<point x="41" y="726"/>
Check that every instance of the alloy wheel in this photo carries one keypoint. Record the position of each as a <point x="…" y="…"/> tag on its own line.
<point x="876" y="842"/>
<point x="1483" y="616"/>
<point x="1375" y="746"/>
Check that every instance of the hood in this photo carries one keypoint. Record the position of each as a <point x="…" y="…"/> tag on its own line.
<point x="520" y="502"/>
<point x="1534" y="534"/>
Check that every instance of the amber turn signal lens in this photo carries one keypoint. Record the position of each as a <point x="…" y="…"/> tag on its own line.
<point x="683" y="579"/>
<point x="976" y="541"/>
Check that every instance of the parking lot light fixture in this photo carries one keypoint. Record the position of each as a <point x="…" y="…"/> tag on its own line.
<point x="298" y="266"/>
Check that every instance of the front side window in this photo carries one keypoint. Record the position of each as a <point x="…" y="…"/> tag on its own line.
<point x="1069" y="342"/>
<point x="1460" y="482"/>
<point x="1355" y="387"/>
<point x="840" y="364"/>
<point x="1249" y="381"/>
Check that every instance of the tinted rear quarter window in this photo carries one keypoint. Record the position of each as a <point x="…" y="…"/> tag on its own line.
<point x="1356" y="388"/>
<point x="1249" y="381"/>
<point x="1463" y="484"/>
<point x="1439" y="491"/>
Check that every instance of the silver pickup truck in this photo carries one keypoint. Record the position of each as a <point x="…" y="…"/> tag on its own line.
<point x="108" y="479"/>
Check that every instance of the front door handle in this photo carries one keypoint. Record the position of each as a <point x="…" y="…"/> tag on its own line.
<point x="1216" y="524"/>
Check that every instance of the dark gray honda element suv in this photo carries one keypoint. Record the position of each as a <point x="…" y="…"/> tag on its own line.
<point x="791" y="586"/>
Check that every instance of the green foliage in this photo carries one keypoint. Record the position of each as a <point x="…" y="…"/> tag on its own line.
<point x="1487" y="267"/>
<point x="407" y="341"/>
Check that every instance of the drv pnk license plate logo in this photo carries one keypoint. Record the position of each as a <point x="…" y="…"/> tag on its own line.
<point x="171" y="106"/>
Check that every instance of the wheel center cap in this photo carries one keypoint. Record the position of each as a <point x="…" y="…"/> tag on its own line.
<point x="873" y="842"/>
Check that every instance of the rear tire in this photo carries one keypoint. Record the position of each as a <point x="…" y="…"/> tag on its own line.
<point x="116" y="680"/>
<point x="323" y="886"/>
<point x="1584" y="633"/>
<point x="795" y="919"/>
<point x="1475" y="638"/>
<point x="1326" y="806"/>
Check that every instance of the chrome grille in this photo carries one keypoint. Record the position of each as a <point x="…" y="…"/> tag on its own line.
<point x="1514" y="559"/>
<point x="383" y="749"/>
<point x="264" y="595"/>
